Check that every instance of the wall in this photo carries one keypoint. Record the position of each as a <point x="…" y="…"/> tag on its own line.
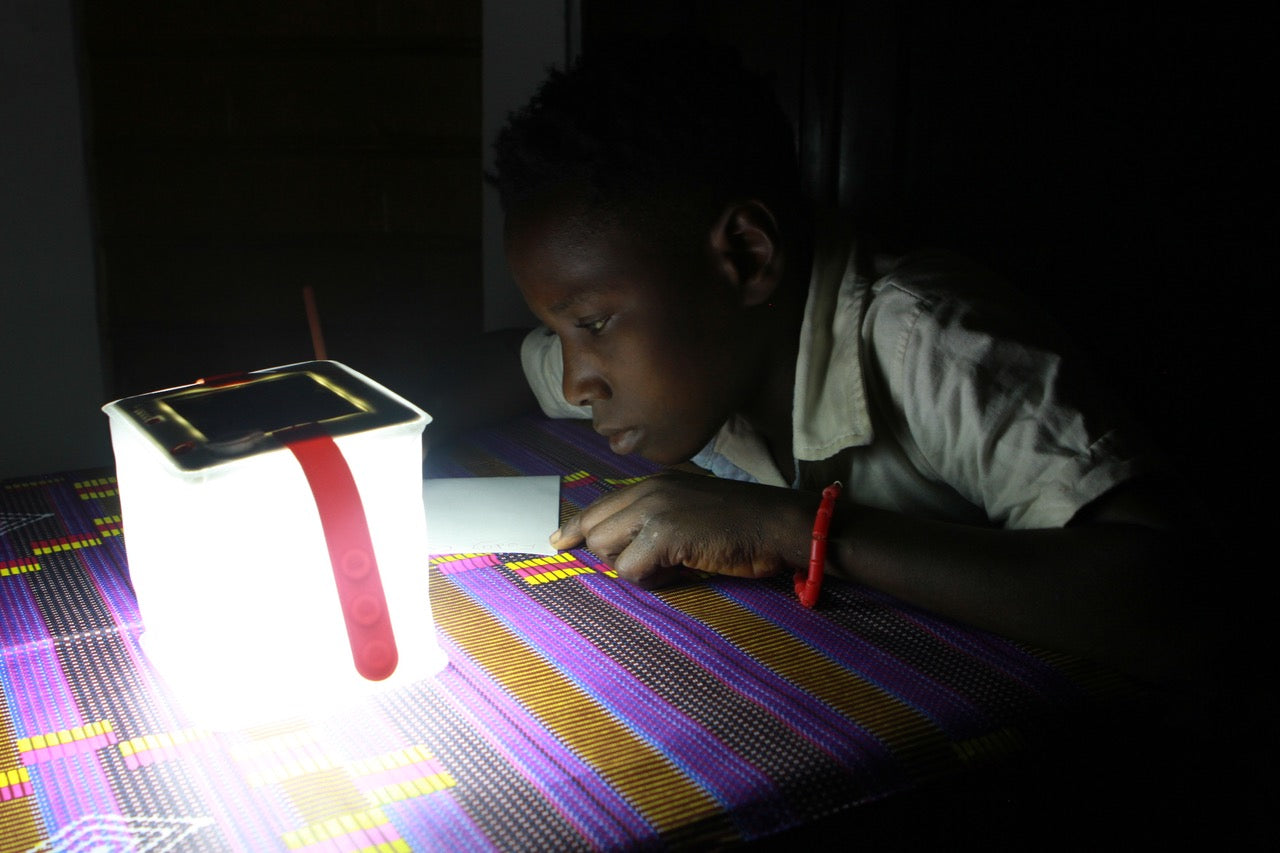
<point x="167" y="149"/>
<point x="521" y="40"/>
<point x="240" y="152"/>
<point x="51" y="384"/>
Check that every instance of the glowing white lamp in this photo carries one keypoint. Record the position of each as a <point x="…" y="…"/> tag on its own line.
<point x="276" y="540"/>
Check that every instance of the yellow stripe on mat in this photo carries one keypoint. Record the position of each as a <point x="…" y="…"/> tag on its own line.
<point x="20" y="823"/>
<point x="664" y="796"/>
<point x="922" y="748"/>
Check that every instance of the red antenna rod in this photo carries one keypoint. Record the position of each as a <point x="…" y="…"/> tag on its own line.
<point x="313" y="320"/>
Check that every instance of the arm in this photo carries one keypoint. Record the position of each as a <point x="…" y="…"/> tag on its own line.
<point x="1107" y="586"/>
<point x="1111" y="585"/>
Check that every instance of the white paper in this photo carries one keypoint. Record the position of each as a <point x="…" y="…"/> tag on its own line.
<point x="480" y="515"/>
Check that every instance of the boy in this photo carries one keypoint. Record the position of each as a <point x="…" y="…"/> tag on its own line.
<point x="695" y="310"/>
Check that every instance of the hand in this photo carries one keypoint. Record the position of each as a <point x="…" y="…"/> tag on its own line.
<point x="648" y="531"/>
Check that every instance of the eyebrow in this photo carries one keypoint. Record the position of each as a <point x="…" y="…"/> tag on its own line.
<point x="581" y="294"/>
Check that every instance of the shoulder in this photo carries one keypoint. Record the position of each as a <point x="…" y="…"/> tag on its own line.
<point x="935" y="277"/>
<point x="940" y="299"/>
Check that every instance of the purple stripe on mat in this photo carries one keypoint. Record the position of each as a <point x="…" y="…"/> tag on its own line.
<point x="72" y="511"/>
<point x="846" y="741"/>
<point x="1037" y="677"/>
<point x="951" y="712"/>
<point x="436" y="822"/>
<point x="69" y="787"/>
<point x="599" y="813"/>
<point x="702" y="757"/>
<point x="73" y="788"/>
<point x="106" y="570"/>
<point x="439" y="464"/>
<point x="517" y="455"/>
<point x="22" y="625"/>
<point x="28" y="660"/>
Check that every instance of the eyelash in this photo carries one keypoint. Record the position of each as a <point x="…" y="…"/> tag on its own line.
<point x="593" y="326"/>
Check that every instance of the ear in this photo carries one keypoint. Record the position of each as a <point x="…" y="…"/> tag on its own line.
<point x="749" y="245"/>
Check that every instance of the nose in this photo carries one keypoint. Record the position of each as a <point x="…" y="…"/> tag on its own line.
<point x="582" y="382"/>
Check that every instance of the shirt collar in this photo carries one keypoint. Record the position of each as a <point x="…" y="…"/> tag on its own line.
<point x="829" y="407"/>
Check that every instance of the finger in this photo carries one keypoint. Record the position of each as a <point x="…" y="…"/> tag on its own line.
<point x="609" y="535"/>
<point x="579" y="529"/>
<point x="569" y="534"/>
<point x="646" y="558"/>
<point x="661" y="576"/>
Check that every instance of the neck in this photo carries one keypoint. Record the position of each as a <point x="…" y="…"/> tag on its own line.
<point x="769" y="408"/>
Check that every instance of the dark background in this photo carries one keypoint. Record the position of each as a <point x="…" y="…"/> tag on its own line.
<point x="239" y="151"/>
<point x="1109" y="158"/>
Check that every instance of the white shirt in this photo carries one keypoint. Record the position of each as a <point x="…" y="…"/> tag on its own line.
<point x="928" y="390"/>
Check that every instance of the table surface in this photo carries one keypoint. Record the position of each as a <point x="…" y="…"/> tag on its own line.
<point x="577" y="712"/>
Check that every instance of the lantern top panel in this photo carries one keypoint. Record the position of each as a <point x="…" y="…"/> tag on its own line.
<point x="223" y="419"/>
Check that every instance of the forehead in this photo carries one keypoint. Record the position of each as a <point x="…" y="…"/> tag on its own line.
<point x="565" y="253"/>
<point x="564" y="257"/>
<point x="563" y="213"/>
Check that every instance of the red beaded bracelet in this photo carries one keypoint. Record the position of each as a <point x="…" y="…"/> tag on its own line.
<point x="808" y="586"/>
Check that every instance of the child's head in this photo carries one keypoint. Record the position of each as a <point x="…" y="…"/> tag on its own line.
<point x="649" y="197"/>
<point x="637" y="118"/>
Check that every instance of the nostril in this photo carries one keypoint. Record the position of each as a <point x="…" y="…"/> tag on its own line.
<point x="585" y="391"/>
<point x="582" y="381"/>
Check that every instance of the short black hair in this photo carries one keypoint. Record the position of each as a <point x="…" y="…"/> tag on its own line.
<point x="637" y="115"/>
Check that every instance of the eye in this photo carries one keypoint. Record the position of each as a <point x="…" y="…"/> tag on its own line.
<point x="593" y="325"/>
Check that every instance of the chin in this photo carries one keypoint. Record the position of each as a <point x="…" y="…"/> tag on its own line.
<point x="658" y="457"/>
<point x="666" y="456"/>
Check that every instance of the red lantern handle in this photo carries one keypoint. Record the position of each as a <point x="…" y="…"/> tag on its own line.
<point x="346" y="533"/>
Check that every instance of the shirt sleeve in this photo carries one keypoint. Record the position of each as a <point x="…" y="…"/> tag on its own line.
<point x="543" y="368"/>
<point x="989" y="404"/>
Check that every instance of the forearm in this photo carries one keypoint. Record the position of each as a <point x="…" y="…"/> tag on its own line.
<point x="1109" y="591"/>
<point x="1109" y="586"/>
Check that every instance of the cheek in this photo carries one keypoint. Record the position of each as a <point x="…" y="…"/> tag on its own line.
<point x="648" y="371"/>
<point x="703" y="356"/>
<point x="680" y="380"/>
<point x="679" y="353"/>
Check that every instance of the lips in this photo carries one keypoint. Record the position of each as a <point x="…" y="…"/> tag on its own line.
<point x="621" y="441"/>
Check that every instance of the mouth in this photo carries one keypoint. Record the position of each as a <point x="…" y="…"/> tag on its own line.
<point x="621" y="441"/>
